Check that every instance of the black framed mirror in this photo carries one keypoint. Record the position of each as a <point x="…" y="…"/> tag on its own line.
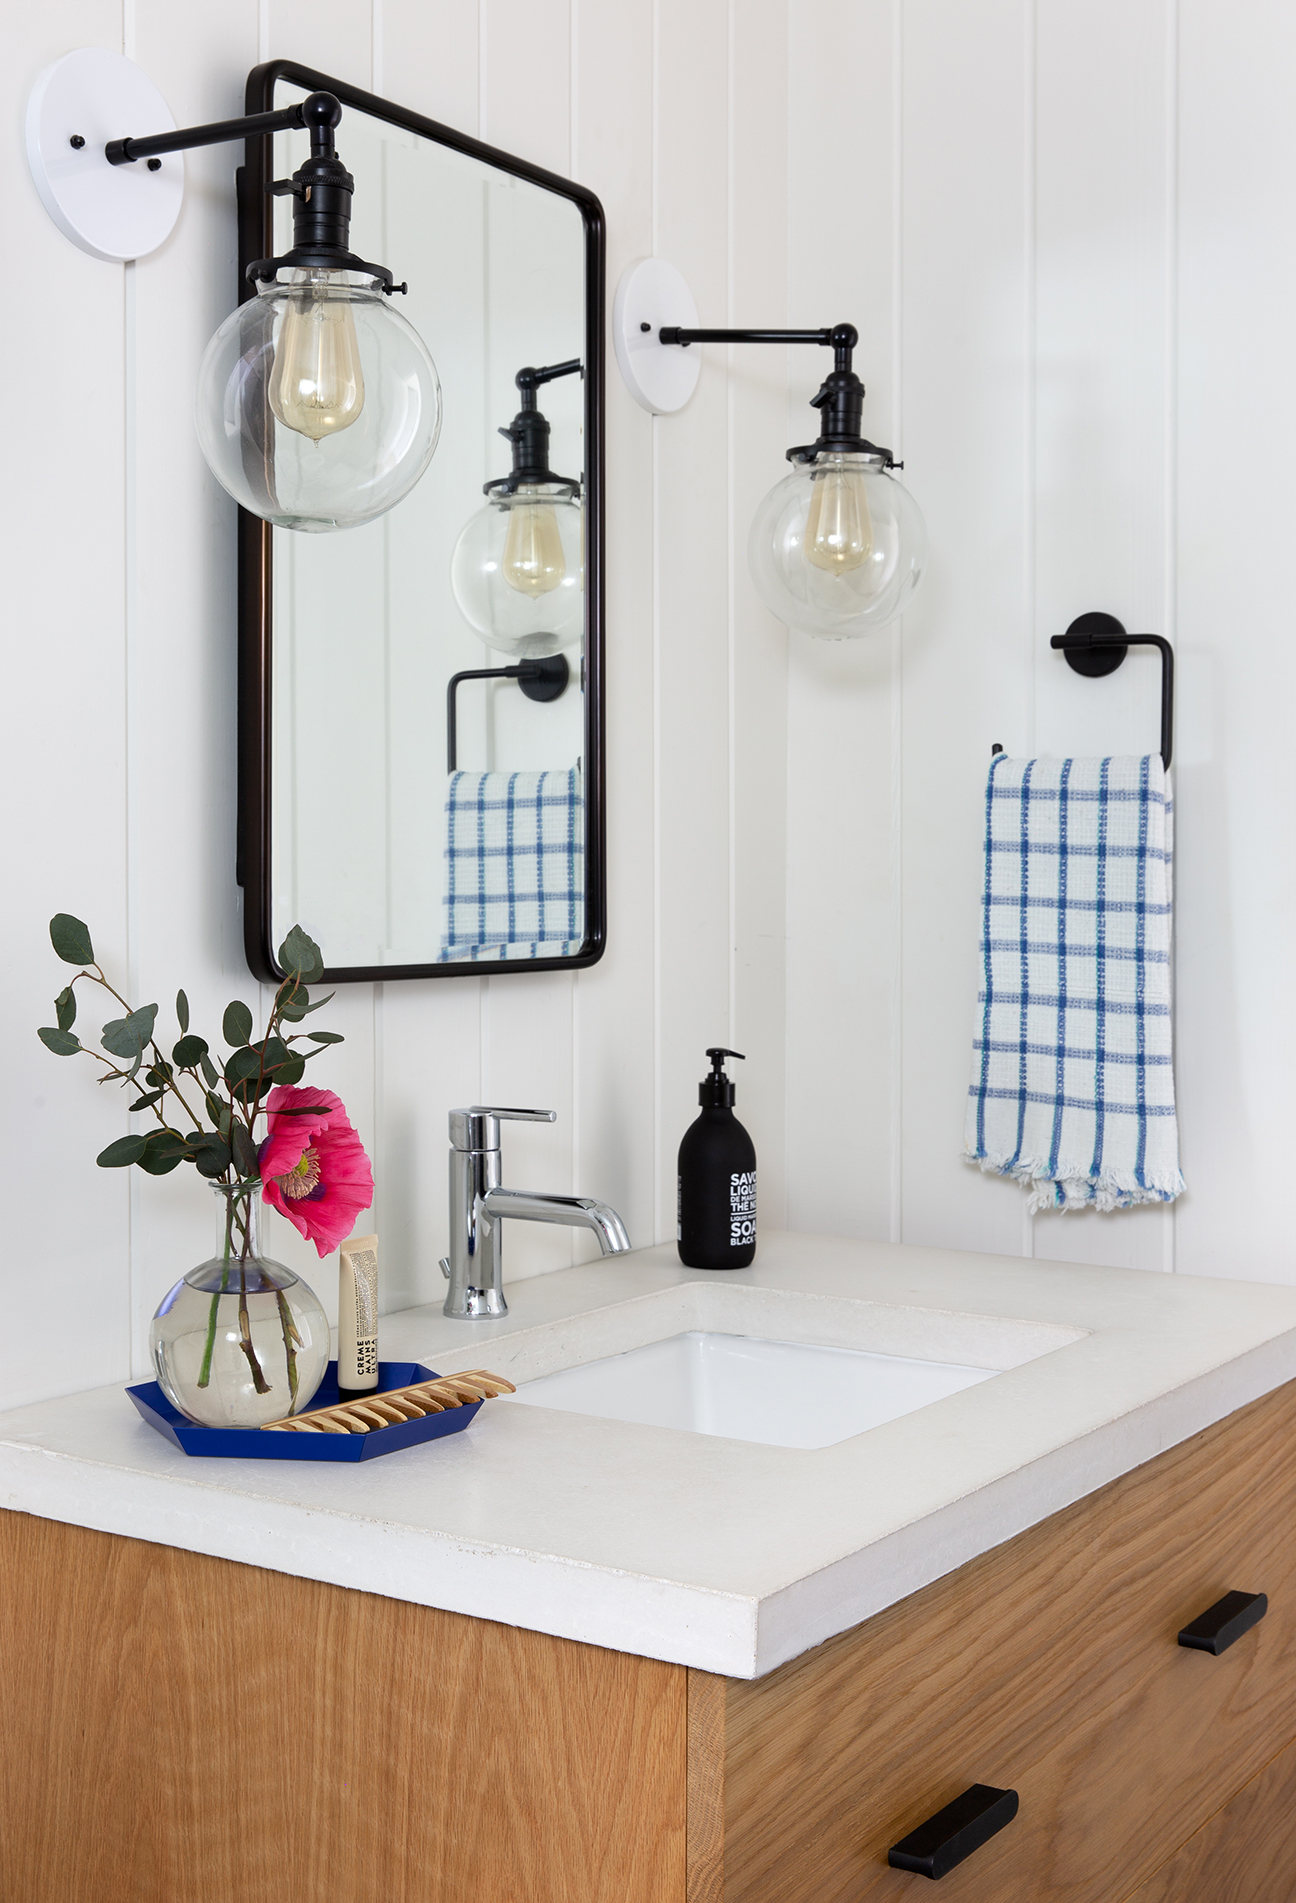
<point x="421" y="773"/>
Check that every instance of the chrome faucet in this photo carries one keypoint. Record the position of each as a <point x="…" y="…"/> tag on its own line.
<point x="478" y="1205"/>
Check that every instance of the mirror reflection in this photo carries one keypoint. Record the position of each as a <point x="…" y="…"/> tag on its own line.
<point x="427" y="704"/>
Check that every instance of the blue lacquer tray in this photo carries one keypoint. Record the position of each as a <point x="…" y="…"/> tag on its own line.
<point x="252" y="1443"/>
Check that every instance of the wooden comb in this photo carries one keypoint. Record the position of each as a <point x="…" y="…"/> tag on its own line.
<point x="399" y="1404"/>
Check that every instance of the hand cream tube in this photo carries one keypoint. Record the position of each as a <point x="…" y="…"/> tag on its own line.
<point x="357" y="1356"/>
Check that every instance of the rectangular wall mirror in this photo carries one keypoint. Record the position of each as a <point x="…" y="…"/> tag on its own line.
<point x="420" y="697"/>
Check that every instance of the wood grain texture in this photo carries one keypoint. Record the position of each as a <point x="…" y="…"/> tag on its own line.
<point x="181" y="1727"/>
<point x="1048" y="1665"/>
<point x="1246" y="1853"/>
<point x="706" y="1771"/>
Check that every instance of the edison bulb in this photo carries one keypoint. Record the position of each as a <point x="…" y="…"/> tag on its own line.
<point x="839" y="546"/>
<point x="317" y="384"/>
<point x="518" y="570"/>
<point x="839" y="530"/>
<point x="534" y="563"/>
<point x="318" y="404"/>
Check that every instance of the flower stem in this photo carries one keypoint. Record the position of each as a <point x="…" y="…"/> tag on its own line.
<point x="292" y="1342"/>
<point x="259" y="1381"/>
<point x="204" y="1373"/>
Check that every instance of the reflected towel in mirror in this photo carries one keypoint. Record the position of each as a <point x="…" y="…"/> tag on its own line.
<point x="515" y="866"/>
<point x="1072" y="1089"/>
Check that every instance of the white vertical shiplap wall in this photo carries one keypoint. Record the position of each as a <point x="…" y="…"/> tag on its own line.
<point x="1068" y="241"/>
<point x="1060" y="231"/>
<point x="120" y="654"/>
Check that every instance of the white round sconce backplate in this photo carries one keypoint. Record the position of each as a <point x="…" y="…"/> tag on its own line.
<point x="115" y="212"/>
<point x="661" y="376"/>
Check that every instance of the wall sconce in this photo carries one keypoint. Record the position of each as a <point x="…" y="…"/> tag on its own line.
<point x="518" y="569"/>
<point x="839" y="546"/>
<point x="318" y="405"/>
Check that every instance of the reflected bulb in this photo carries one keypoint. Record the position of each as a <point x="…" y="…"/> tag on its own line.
<point x="317" y="386"/>
<point x="533" y="552"/>
<point x="839" y="531"/>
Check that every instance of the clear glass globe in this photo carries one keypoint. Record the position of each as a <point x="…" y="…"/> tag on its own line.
<point x="838" y="547"/>
<point x="240" y="1340"/>
<point x="518" y="571"/>
<point x="318" y="404"/>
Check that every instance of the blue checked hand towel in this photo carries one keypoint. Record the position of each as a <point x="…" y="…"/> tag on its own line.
<point x="1072" y="1080"/>
<point x="515" y="866"/>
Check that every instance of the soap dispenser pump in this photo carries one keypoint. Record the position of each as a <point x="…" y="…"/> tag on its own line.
<point x="717" y="1179"/>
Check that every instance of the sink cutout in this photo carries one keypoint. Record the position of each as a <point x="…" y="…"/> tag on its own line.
<point x="777" y="1393"/>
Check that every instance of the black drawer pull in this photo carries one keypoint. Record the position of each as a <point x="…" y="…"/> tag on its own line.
<point x="1225" y="1621"/>
<point x="955" y="1832"/>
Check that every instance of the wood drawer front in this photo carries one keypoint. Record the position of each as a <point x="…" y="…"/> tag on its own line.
<point x="1246" y="1853"/>
<point x="186" y="1730"/>
<point x="1049" y="1665"/>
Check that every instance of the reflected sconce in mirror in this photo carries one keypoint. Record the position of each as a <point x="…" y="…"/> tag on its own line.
<point x="837" y="548"/>
<point x="518" y="569"/>
<point x="318" y="406"/>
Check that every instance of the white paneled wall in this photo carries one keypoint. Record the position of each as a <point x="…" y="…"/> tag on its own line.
<point x="1071" y="251"/>
<point x="120" y="654"/>
<point x="1063" y="230"/>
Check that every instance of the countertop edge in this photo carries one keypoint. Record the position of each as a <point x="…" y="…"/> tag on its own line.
<point x="799" y="1617"/>
<point x="428" y="1569"/>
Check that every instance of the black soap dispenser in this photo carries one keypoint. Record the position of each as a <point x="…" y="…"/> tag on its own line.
<point x="717" y="1179"/>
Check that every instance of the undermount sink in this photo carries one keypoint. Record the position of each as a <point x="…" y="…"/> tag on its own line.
<point x="778" y="1393"/>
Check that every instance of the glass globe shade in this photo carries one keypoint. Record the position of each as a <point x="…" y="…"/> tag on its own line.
<point x="838" y="547"/>
<point x="518" y="571"/>
<point x="318" y="405"/>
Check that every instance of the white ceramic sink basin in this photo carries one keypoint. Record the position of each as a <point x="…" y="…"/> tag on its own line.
<point x="779" y="1393"/>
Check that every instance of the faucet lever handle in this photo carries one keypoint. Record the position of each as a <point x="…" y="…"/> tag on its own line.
<point x="476" y="1127"/>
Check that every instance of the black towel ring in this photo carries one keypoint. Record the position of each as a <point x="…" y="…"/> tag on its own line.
<point x="1095" y="644"/>
<point x="545" y="679"/>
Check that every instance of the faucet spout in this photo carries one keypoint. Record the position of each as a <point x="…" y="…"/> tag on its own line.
<point x="577" y="1212"/>
<point x="479" y="1203"/>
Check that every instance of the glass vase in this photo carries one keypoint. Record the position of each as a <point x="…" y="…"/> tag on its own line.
<point x="240" y="1340"/>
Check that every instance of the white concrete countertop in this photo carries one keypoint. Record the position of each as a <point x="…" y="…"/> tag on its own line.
<point x="708" y="1552"/>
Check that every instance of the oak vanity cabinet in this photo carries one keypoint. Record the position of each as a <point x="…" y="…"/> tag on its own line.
<point x="186" y="1730"/>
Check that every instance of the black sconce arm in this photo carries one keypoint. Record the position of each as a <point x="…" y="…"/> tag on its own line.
<point x="839" y="401"/>
<point x="322" y="186"/>
<point x="288" y="119"/>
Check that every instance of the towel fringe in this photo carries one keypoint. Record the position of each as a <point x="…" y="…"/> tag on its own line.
<point x="1073" y="1187"/>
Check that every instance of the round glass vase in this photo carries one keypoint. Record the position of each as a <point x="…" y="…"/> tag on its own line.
<point x="240" y="1340"/>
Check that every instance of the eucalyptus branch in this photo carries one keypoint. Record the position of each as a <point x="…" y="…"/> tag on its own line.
<point x="233" y="1094"/>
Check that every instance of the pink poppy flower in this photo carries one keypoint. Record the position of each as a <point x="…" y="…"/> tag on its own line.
<point x="313" y="1165"/>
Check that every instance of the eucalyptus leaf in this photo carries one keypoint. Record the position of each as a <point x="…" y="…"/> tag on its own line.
<point x="326" y="1037"/>
<point x="290" y="1073"/>
<point x="211" y="1076"/>
<point x="124" y="1151"/>
<point x="300" y="954"/>
<point x="242" y="1064"/>
<point x="211" y="1156"/>
<point x="236" y="1025"/>
<point x="319" y="1003"/>
<point x="71" y="940"/>
<point x="182" y="1012"/>
<point x="244" y="1148"/>
<point x="126" y="1037"/>
<point x="147" y="1101"/>
<point x="274" y="1052"/>
<point x="164" y="1150"/>
<point x="65" y="1006"/>
<point x="62" y="1043"/>
<point x="160" y="1072"/>
<point x="187" y="1052"/>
